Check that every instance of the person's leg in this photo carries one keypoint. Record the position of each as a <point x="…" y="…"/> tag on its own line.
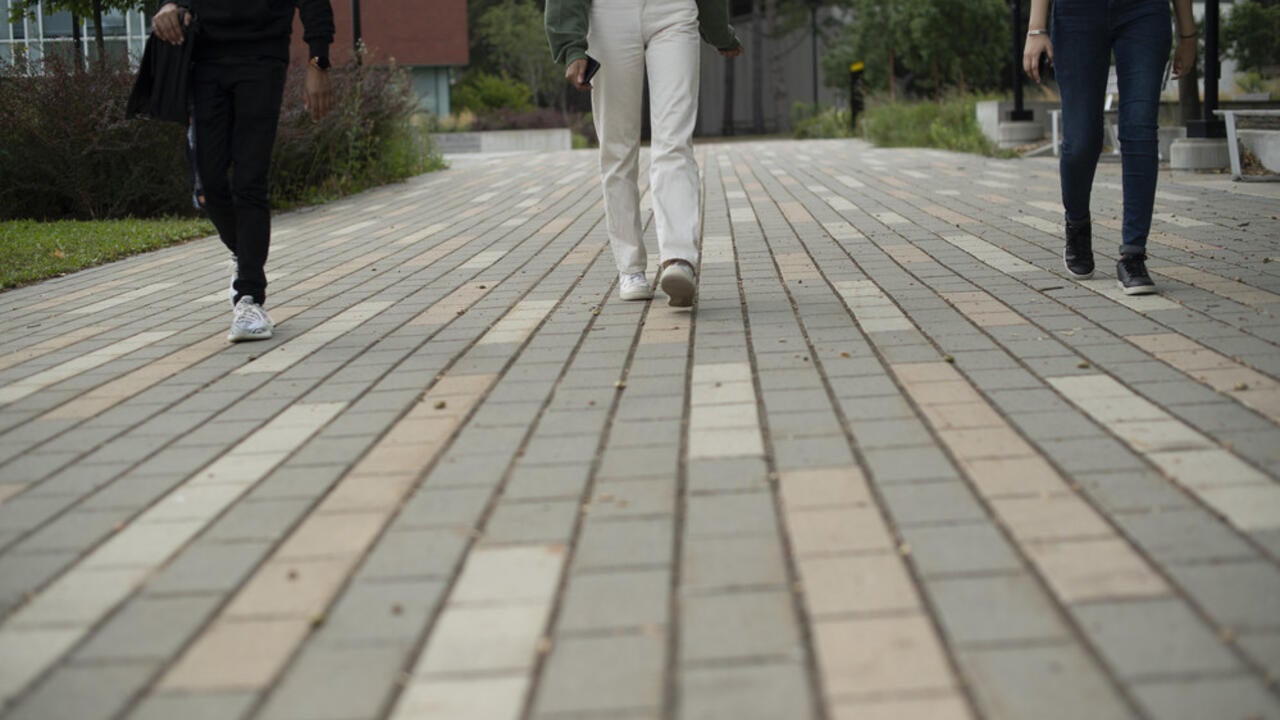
<point x="1081" y="58"/>
<point x="1142" y="43"/>
<point x="616" y="97"/>
<point x="258" y="90"/>
<point x="213" y="121"/>
<point x="672" y="57"/>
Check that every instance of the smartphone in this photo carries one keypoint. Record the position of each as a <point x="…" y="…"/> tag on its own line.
<point x="593" y="67"/>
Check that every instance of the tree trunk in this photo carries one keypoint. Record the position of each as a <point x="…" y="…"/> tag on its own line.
<point x="757" y="67"/>
<point x="98" y="35"/>
<point x="1189" y="95"/>
<point x="726" y="118"/>
<point x="893" y="80"/>
<point x="776" y="63"/>
<point x="77" y="44"/>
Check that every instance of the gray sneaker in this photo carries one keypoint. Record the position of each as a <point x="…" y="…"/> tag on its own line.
<point x="679" y="283"/>
<point x="634" y="286"/>
<point x="250" y="322"/>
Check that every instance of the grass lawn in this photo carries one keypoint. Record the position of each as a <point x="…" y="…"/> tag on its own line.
<point x="31" y="250"/>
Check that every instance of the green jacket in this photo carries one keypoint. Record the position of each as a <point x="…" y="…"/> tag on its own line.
<point x="566" y="22"/>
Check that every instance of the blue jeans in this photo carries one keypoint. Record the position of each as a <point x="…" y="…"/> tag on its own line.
<point x="1085" y="33"/>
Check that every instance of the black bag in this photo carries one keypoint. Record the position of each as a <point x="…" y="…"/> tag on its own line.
<point x="162" y="90"/>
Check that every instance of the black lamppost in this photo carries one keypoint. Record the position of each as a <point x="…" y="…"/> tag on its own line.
<point x="1018" y="113"/>
<point x="1209" y="126"/>
<point x="813" y="36"/>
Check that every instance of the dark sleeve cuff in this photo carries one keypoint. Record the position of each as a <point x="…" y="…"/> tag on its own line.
<point x="319" y="48"/>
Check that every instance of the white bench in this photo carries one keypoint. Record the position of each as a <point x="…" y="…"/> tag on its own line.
<point x="1233" y="143"/>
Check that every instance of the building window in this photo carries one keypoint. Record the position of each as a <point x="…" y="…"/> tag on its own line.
<point x="50" y="34"/>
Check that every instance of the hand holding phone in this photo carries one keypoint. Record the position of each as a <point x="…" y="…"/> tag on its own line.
<point x="593" y="67"/>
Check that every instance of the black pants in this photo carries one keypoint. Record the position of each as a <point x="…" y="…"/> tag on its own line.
<point x="237" y="109"/>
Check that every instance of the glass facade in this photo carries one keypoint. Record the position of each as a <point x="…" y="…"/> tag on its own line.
<point x="43" y="34"/>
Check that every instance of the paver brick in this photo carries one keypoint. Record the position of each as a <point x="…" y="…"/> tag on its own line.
<point x="1236" y="595"/>
<point x="615" y="600"/>
<point x="1184" y="699"/>
<point x="148" y="628"/>
<point x="1052" y="682"/>
<point x="996" y="609"/>
<point x="380" y="612"/>
<point x="602" y="675"/>
<point x="443" y="699"/>
<point x="753" y="692"/>
<point x="717" y="564"/>
<point x="88" y="692"/>
<point x="880" y="656"/>
<point x="712" y="627"/>
<point x="336" y="684"/>
<point x="924" y="503"/>
<point x="194" y="706"/>
<point x="945" y="707"/>
<point x="617" y="543"/>
<point x="1154" y="638"/>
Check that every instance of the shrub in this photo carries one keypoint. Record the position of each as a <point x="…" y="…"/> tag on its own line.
<point x="66" y="150"/>
<point x="369" y="138"/>
<point x="481" y="92"/>
<point x="949" y="125"/>
<point x="810" y="123"/>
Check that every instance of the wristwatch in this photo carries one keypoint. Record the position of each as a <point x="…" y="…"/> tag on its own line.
<point x="320" y="62"/>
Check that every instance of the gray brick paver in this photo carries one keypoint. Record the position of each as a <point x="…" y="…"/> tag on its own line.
<point x="826" y="400"/>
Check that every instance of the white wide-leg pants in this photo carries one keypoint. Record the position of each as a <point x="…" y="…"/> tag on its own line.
<point x="628" y="37"/>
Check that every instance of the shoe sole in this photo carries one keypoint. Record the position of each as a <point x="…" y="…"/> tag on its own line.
<point x="679" y="290"/>
<point x="648" y="295"/>
<point x="248" y="338"/>
<point x="1137" y="289"/>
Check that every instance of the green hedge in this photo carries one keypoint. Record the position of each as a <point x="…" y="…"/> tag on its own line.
<point x="949" y="125"/>
<point x="66" y="150"/>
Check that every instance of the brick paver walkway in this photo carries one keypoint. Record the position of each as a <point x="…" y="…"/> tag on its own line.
<point x="895" y="464"/>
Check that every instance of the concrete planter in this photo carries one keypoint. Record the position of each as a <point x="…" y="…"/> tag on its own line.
<point x="1264" y="144"/>
<point x="993" y="118"/>
<point x="504" y="141"/>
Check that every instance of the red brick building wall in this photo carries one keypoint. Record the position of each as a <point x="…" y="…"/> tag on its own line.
<point x="414" y="32"/>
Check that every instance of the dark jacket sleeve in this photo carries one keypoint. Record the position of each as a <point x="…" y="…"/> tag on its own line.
<point x="713" y="24"/>
<point x="317" y="26"/>
<point x="566" y="23"/>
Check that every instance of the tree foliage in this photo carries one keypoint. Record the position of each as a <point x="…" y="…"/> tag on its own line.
<point x="511" y="41"/>
<point x="1251" y="34"/>
<point x="925" y="46"/>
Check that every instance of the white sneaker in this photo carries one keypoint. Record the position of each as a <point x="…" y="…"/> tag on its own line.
<point x="679" y="283"/>
<point x="251" y="322"/>
<point x="634" y="286"/>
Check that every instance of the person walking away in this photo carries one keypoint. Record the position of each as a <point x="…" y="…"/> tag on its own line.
<point x="240" y="57"/>
<point x="1080" y="42"/>
<point x="633" y="39"/>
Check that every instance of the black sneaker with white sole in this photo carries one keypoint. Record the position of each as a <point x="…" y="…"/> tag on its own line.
<point x="1131" y="272"/>
<point x="1077" y="253"/>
